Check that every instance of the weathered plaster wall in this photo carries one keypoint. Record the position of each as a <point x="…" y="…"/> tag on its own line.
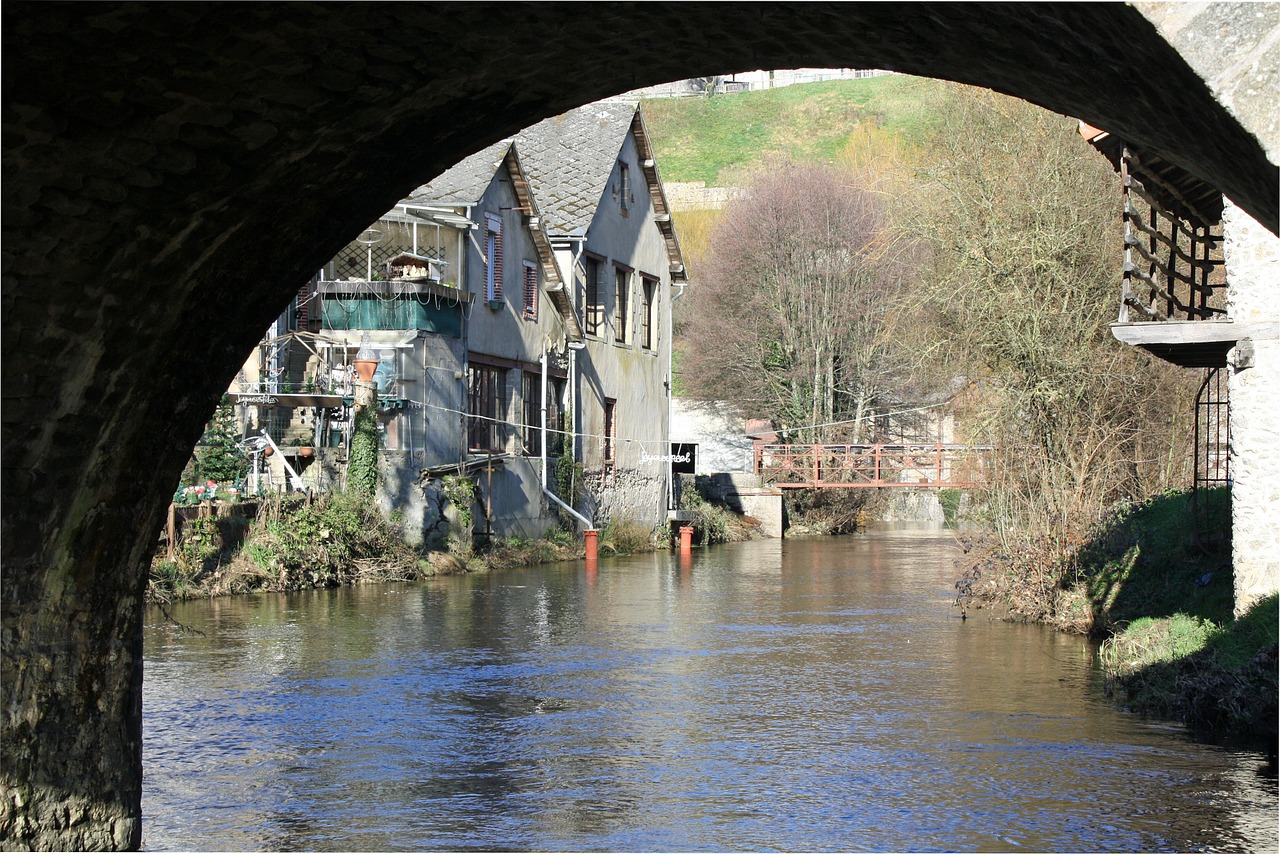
<point x="625" y="371"/>
<point x="181" y="169"/>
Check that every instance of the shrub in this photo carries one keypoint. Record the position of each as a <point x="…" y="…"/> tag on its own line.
<point x="711" y="524"/>
<point x="624" y="537"/>
<point x="461" y="492"/>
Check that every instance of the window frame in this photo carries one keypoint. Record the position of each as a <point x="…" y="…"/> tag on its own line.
<point x="609" y="439"/>
<point x="622" y="303"/>
<point x="624" y="183"/>
<point x="531" y="406"/>
<point x="486" y="407"/>
<point x="593" y="305"/>
<point x="530" y="288"/>
<point x="493" y="258"/>
<point x="648" y="312"/>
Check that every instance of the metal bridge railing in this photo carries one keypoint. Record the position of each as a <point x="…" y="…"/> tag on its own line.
<point x="938" y="466"/>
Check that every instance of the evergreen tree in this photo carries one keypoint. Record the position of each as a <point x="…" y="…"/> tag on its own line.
<point x="219" y="456"/>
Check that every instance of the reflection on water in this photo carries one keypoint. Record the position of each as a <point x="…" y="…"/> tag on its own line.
<point x="797" y="695"/>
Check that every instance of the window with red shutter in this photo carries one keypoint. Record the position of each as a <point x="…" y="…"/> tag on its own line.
<point x="530" y="291"/>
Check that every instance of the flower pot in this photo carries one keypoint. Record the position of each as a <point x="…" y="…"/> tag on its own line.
<point x="365" y="369"/>
<point x="305" y="452"/>
<point x="268" y="451"/>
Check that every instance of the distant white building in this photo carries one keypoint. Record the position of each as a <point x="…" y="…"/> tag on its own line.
<point x="709" y="437"/>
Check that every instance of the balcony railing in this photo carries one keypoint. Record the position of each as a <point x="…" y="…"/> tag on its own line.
<point x="1172" y="249"/>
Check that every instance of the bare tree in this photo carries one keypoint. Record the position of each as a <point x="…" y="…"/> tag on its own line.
<point x="791" y="302"/>
<point x="1023" y="229"/>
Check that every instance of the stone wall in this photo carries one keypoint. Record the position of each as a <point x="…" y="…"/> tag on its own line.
<point x="173" y="173"/>
<point x="626" y="494"/>
<point x="1253" y="276"/>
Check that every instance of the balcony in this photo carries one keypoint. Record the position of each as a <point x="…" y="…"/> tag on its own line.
<point x="1173" y="294"/>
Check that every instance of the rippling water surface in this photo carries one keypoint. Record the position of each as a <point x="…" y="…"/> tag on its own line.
<point x="798" y="695"/>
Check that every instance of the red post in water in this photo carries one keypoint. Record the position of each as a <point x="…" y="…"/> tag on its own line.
<point x="686" y="539"/>
<point x="593" y="540"/>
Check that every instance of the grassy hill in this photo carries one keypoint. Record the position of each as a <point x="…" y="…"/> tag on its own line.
<point x="718" y="139"/>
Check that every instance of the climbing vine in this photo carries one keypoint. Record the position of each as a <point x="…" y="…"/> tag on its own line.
<point x="362" y="466"/>
<point x="461" y="492"/>
<point x="568" y="472"/>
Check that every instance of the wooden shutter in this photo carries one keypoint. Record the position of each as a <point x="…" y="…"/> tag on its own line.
<point x="493" y="249"/>
<point x="497" y="265"/>
<point x="530" y="291"/>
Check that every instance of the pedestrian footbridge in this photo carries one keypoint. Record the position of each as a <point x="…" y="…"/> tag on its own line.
<point x="937" y="466"/>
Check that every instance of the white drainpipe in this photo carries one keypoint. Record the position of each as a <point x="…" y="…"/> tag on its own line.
<point x="587" y="524"/>
<point x="671" y="393"/>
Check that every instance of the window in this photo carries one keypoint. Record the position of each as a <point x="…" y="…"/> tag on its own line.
<point x="555" y="416"/>
<point x="531" y="391"/>
<point x="624" y="182"/>
<point x="485" y="391"/>
<point x="530" y="291"/>
<point x="493" y="257"/>
<point x="622" y="307"/>
<point x="647" y="313"/>
<point x="610" y="433"/>
<point x="593" y="301"/>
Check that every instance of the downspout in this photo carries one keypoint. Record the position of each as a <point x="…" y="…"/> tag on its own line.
<point x="573" y="356"/>
<point x="671" y="393"/>
<point x="586" y="523"/>
<point x="574" y="348"/>
<point x="462" y="282"/>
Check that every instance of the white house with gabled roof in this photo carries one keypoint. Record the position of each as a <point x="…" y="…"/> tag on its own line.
<point x="595" y="177"/>
<point x="519" y="305"/>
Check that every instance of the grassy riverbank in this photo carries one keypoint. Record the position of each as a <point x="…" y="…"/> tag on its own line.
<point x="292" y="543"/>
<point x="1162" y="605"/>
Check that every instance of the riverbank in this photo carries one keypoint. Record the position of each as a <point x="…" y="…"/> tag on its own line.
<point x="295" y="543"/>
<point x="1161" y="604"/>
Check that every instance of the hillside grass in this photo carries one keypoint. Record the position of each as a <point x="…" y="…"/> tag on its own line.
<point x="718" y="139"/>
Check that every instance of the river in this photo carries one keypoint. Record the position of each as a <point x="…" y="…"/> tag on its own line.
<point x="816" y="694"/>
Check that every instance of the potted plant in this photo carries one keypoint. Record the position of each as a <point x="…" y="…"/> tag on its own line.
<point x="304" y="444"/>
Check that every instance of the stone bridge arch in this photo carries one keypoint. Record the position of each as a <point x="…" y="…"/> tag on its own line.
<point x="173" y="172"/>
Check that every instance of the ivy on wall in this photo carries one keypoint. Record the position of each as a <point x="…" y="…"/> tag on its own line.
<point x="461" y="492"/>
<point x="362" y="465"/>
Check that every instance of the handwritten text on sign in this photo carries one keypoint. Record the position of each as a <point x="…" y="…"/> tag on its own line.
<point x="646" y="457"/>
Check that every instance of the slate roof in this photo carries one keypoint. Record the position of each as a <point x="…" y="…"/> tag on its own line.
<point x="569" y="158"/>
<point x="465" y="182"/>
